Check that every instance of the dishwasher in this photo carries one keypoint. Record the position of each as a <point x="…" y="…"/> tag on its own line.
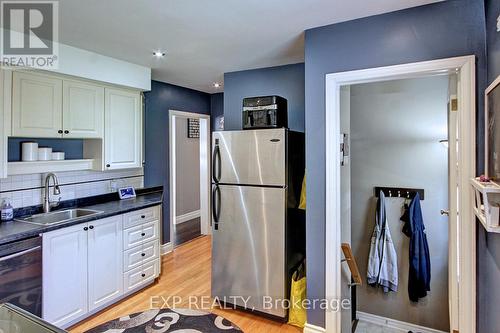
<point x="21" y="274"/>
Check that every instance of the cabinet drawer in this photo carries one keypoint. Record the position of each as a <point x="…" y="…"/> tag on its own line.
<point x="135" y="257"/>
<point x="141" y="275"/>
<point x="140" y="216"/>
<point x="140" y="234"/>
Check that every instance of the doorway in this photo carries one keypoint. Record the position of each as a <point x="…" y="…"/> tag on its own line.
<point x="189" y="135"/>
<point x="461" y="232"/>
<point x="397" y="134"/>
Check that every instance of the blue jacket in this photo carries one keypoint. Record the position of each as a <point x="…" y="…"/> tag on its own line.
<point x="382" y="261"/>
<point x="419" y="280"/>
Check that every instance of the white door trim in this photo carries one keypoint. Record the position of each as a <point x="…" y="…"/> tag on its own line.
<point x="466" y="241"/>
<point x="204" y="169"/>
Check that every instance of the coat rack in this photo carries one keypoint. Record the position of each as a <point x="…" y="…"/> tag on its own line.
<point x="399" y="192"/>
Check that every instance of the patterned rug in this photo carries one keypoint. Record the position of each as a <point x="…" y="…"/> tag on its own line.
<point x="167" y="320"/>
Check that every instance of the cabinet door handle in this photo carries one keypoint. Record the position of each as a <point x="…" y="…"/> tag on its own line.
<point x="91" y="227"/>
<point x="108" y="165"/>
<point x="85" y="228"/>
<point x="143" y="254"/>
<point x="143" y="216"/>
<point x="143" y="234"/>
<point x="66" y="132"/>
<point x="143" y="275"/>
<point x="60" y="131"/>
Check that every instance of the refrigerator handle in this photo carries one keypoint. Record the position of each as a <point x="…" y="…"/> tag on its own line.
<point x="216" y="203"/>
<point x="216" y="162"/>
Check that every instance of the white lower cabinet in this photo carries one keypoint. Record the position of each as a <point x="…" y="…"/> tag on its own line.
<point x="65" y="275"/>
<point x="91" y="265"/>
<point x="144" y="274"/>
<point x="105" y="257"/>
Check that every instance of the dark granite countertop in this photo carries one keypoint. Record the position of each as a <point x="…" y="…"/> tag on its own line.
<point x="109" y="204"/>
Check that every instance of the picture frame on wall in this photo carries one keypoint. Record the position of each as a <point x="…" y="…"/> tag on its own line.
<point x="193" y="128"/>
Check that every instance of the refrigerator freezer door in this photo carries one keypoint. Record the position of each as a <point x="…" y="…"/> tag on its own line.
<point x="248" y="247"/>
<point x="254" y="157"/>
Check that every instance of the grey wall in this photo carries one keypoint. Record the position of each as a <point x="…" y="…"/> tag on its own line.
<point x="488" y="244"/>
<point x="395" y="131"/>
<point x="188" y="169"/>
<point x="286" y="81"/>
<point x="159" y="100"/>
<point x="446" y="29"/>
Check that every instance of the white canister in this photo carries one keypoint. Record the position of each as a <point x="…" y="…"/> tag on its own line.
<point x="57" y="156"/>
<point x="44" y="153"/>
<point x="29" y="151"/>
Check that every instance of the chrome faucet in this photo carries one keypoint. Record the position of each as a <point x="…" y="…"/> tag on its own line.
<point x="47" y="204"/>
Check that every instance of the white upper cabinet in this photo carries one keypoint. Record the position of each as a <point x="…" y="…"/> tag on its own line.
<point x="36" y="105"/>
<point x="123" y="129"/>
<point x="83" y="110"/>
<point x="105" y="257"/>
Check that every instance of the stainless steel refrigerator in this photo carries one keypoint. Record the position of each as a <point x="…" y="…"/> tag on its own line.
<point x="258" y="232"/>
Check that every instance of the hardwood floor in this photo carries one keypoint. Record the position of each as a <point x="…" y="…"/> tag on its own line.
<point x="187" y="231"/>
<point x="185" y="272"/>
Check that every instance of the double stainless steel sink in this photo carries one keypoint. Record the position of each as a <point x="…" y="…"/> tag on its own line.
<point x="61" y="216"/>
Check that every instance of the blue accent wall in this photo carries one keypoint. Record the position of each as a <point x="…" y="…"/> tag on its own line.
<point x="162" y="98"/>
<point x="442" y="30"/>
<point x="488" y="244"/>
<point x="285" y="81"/>
<point x="73" y="148"/>
<point x="216" y="110"/>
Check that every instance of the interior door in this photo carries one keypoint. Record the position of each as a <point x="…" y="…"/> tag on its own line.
<point x="105" y="261"/>
<point x="345" y="176"/>
<point x="248" y="245"/>
<point x="252" y="157"/>
<point x="453" y="268"/>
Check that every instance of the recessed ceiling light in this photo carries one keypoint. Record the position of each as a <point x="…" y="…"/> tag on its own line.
<point x="217" y="85"/>
<point x="159" y="54"/>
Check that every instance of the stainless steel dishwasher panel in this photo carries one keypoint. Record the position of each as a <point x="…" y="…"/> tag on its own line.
<point x="21" y="274"/>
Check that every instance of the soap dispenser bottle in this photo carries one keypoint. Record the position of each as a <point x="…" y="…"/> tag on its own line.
<point x="7" y="212"/>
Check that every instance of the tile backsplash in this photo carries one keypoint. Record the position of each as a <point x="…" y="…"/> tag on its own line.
<point x="27" y="190"/>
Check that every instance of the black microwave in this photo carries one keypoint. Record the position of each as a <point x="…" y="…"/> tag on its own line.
<point x="265" y="112"/>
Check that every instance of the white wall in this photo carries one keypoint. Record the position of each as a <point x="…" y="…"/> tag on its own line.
<point x="188" y="169"/>
<point x="93" y="66"/>
<point x="27" y="190"/>
<point x="395" y="128"/>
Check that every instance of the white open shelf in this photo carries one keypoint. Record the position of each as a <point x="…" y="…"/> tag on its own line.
<point x="24" y="168"/>
<point x="487" y="204"/>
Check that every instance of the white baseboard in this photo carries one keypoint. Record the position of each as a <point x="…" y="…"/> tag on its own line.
<point x="308" y="328"/>
<point x="392" y="323"/>
<point x="187" y="217"/>
<point x="166" y="248"/>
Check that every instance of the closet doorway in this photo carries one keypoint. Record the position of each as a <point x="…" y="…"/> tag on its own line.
<point x="189" y="135"/>
<point x="398" y="128"/>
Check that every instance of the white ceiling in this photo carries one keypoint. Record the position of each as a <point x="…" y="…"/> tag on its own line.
<point x="204" y="39"/>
